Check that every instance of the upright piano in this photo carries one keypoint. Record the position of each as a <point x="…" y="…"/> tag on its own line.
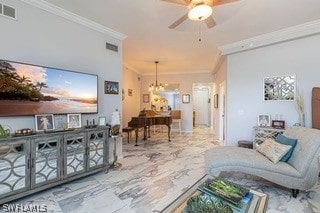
<point x="146" y="119"/>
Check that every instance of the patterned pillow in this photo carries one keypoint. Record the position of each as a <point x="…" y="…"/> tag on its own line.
<point x="273" y="150"/>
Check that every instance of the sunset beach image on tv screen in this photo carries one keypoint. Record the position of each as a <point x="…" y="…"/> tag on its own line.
<point x="29" y="90"/>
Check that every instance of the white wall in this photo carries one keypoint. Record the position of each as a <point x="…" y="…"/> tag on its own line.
<point x="245" y="75"/>
<point x="130" y="104"/>
<point x="185" y="82"/>
<point x="41" y="38"/>
<point x="220" y="76"/>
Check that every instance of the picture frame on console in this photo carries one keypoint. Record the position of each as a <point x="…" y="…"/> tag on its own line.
<point x="102" y="120"/>
<point x="74" y="120"/>
<point x="44" y="122"/>
<point x="278" y="124"/>
<point x="264" y="120"/>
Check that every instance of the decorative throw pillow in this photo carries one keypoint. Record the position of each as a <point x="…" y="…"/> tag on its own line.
<point x="286" y="141"/>
<point x="273" y="150"/>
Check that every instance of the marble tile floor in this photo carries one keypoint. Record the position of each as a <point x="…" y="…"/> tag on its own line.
<point x="153" y="175"/>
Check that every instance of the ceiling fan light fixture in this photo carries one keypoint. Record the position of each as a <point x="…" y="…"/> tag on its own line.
<point x="200" y="12"/>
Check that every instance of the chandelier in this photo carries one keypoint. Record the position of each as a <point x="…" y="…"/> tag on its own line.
<point x="156" y="87"/>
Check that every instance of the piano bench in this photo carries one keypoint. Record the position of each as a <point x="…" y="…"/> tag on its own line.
<point x="128" y="130"/>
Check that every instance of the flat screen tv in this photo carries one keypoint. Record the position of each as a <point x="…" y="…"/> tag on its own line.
<point x="27" y="89"/>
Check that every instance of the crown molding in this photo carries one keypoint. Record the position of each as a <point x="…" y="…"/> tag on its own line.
<point x="287" y="34"/>
<point x="74" y="18"/>
<point x="217" y="62"/>
<point x="126" y="66"/>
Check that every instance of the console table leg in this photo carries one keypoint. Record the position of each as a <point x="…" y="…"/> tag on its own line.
<point x="115" y="164"/>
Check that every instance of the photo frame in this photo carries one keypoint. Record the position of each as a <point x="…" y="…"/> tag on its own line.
<point x="129" y="92"/>
<point x="278" y="124"/>
<point x="146" y="98"/>
<point x="111" y="87"/>
<point x="185" y="98"/>
<point x="44" y="122"/>
<point x="102" y="120"/>
<point x="60" y="122"/>
<point x="264" y="120"/>
<point x="279" y="88"/>
<point x="74" y="120"/>
<point x="215" y="101"/>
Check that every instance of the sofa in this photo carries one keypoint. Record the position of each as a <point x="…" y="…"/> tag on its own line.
<point x="299" y="173"/>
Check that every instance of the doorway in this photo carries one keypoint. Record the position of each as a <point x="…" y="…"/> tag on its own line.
<point x="222" y="111"/>
<point x="201" y="104"/>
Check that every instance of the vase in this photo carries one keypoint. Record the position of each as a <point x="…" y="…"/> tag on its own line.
<point x="302" y="119"/>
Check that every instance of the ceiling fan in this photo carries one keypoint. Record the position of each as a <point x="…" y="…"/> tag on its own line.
<point x="200" y="10"/>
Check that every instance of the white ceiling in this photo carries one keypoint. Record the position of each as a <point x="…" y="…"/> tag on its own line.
<point x="146" y="22"/>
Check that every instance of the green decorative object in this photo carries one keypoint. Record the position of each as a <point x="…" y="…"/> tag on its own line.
<point x="204" y="203"/>
<point x="3" y="133"/>
<point x="229" y="191"/>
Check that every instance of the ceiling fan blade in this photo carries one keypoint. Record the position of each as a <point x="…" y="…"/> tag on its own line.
<point x="210" y="22"/>
<point x="183" y="2"/>
<point x="179" y="21"/>
<point x="213" y="3"/>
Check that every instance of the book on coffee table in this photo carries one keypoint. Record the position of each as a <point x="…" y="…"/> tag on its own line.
<point x="237" y="196"/>
<point x="220" y="187"/>
<point x="211" y="203"/>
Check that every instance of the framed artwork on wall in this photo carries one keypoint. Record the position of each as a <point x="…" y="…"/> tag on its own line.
<point x="44" y="122"/>
<point x="215" y="101"/>
<point x="280" y="88"/>
<point x="111" y="87"/>
<point x="185" y="98"/>
<point x="146" y="98"/>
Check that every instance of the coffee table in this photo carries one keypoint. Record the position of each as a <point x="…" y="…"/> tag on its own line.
<point x="258" y="203"/>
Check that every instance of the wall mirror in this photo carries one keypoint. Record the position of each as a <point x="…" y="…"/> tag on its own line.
<point x="166" y="100"/>
<point x="280" y="88"/>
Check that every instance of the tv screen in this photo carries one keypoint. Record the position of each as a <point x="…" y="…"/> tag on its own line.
<point x="29" y="90"/>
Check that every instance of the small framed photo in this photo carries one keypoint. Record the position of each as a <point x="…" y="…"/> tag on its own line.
<point x="74" y="120"/>
<point x="146" y="98"/>
<point x="111" y="87"/>
<point x="130" y="92"/>
<point x="278" y="124"/>
<point x="185" y="98"/>
<point x="102" y="121"/>
<point x="264" y="120"/>
<point x="215" y="101"/>
<point x="44" y="122"/>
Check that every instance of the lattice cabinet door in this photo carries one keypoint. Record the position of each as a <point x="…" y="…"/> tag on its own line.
<point x="14" y="166"/>
<point x="98" y="149"/>
<point x="74" y="154"/>
<point x="262" y="133"/>
<point x="45" y="160"/>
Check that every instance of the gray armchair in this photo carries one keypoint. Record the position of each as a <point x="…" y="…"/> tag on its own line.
<point x="299" y="173"/>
